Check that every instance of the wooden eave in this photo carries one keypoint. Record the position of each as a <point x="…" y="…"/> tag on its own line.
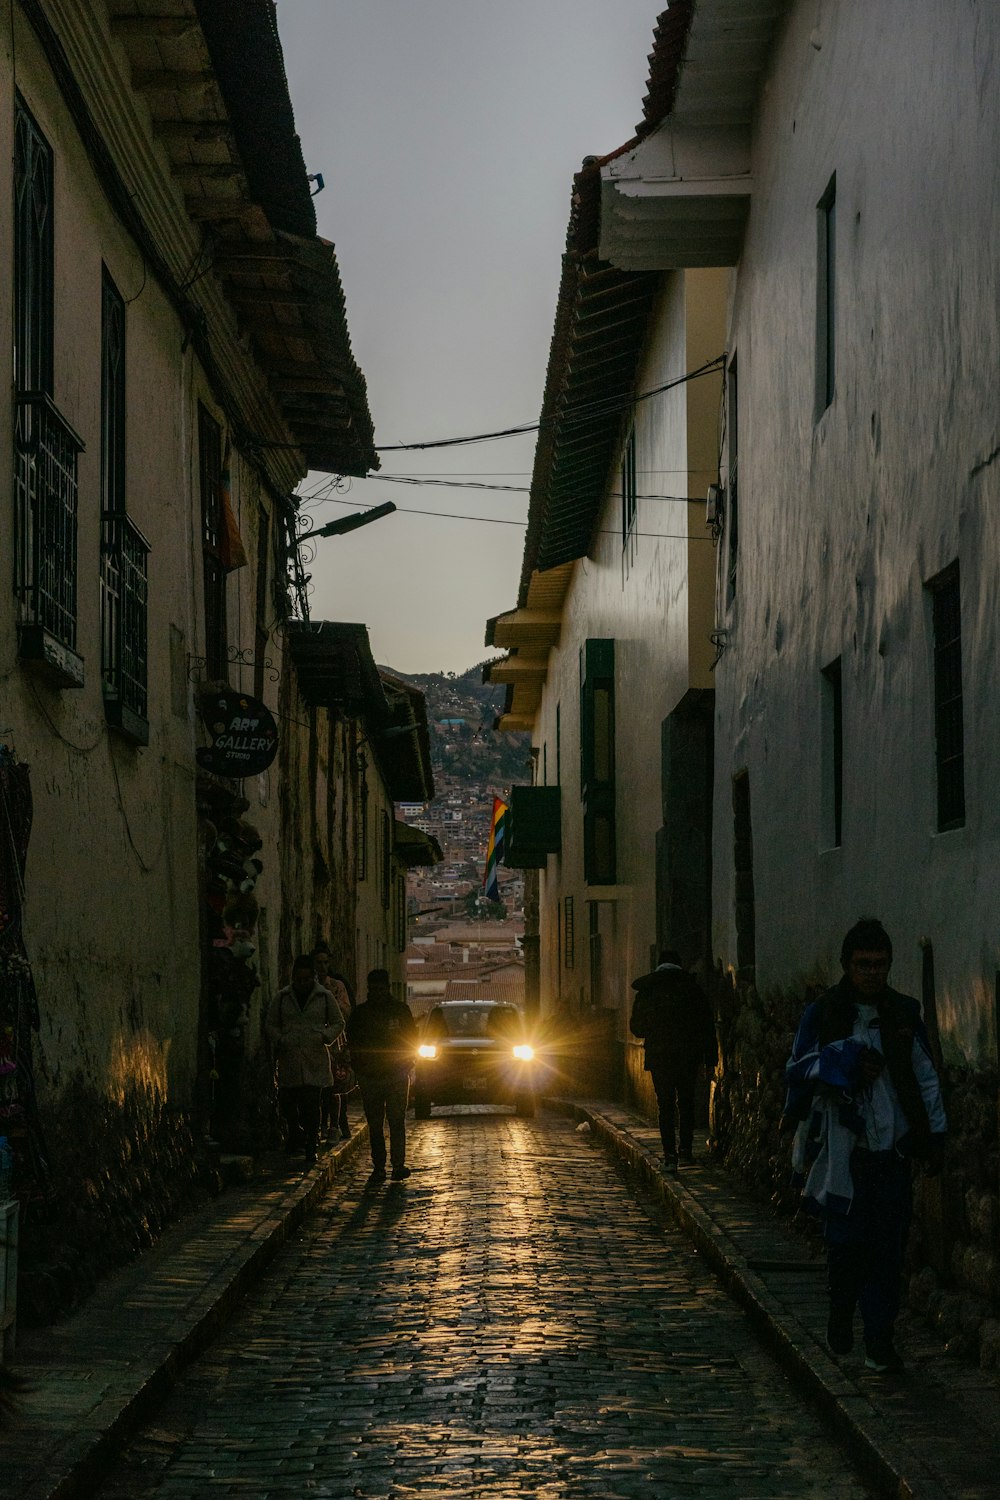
<point x="284" y="289"/>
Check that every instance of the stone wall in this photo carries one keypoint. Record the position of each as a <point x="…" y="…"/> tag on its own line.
<point x="122" y="1170"/>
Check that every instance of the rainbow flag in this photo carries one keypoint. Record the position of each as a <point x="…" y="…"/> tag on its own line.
<point x="494" y="850"/>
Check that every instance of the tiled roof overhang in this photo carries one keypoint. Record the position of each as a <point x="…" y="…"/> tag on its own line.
<point x="669" y="37"/>
<point x="601" y="319"/>
<point x="212" y="74"/>
<point x="403" y="746"/>
<point x="415" y="847"/>
<point x="335" y="668"/>
<point x="680" y="194"/>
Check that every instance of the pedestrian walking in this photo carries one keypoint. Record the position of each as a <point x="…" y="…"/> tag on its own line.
<point x="333" y="1124"/>
<point x="303" y="1022"/>
<point x="672" y="1015"/>
<point x="865" y="1100"/>
<point x="382" y="1036"/>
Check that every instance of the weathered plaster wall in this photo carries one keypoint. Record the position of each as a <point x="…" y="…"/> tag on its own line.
<point x="116" y="959"/>
<point x="845" y="518"/>
<point x="113" y="911"/>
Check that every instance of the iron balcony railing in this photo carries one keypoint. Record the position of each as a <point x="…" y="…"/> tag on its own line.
<point x="45" y="498"/>
<point x="124" y="551"/>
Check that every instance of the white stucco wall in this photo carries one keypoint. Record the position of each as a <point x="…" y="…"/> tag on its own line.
<point x="844" y="519"/>
<point x="658" y="611"/>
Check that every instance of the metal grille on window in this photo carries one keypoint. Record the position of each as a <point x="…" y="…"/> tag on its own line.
<point x="45" y="491"/>
<point x="124" y="549"/>
<point x="124" y="552"/>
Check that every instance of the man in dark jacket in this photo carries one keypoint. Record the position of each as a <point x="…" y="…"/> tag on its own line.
<point x="382" y="1037"/>
<point x="672" y="1015"/>
<point x="865" y="1098"/>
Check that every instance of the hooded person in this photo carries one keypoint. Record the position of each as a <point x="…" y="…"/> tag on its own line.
<point x="673" y="1018"/>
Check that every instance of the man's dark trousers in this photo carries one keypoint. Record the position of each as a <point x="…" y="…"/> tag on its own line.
<point x="674" y="1084"/>
<point x="865" y="1247"/>
<point x="384" y="1097"/>
<point x="300" y="1106"/>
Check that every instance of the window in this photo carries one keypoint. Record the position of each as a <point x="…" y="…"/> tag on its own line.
<point x="45" y="446"/>
<point x="558" y="744"/>
<point x="949" y="734"/>
<point x="832" y="751"/>
<point x="732" y="487"/>
<point x="400" y="914"/>
<point x="597" y="760"/>
<point x="33" y="258"/>
<point x="826" y="297"/>
<point x="213" y="569"/>
<point x="386" y="872"/>
<point x="629" y="503"/>
<point x="746" y="912"/>
<point x="569" y="936"/>
<point x="361" y="822"/>
<point x="261" y="633"/>
<point x="124" y="549"/>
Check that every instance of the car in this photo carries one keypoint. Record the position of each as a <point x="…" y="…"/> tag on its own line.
<point x="474" y="1052"/>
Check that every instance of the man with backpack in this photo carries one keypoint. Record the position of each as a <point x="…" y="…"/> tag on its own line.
<point x="382" y="1037"/>
<point x="672" y="1015"/>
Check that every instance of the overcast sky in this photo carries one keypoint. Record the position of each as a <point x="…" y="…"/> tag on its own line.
<point x="448" y="133"/>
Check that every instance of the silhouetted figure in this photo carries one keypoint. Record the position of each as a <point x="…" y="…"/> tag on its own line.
<point x="672" y="1015"/>
<point x="382" y="1036"/>
<point x="303" y="1022"/>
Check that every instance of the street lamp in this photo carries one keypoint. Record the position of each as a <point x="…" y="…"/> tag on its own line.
<point x="349" y="523"/>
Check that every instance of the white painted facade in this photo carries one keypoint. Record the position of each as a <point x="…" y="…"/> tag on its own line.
<point x="846" y="514"/>
<point x="653" y="597"/>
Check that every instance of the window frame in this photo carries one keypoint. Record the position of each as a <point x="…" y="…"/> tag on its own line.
<point x="826" y="298"/>
<point x="832" y="753"/>
<point x="213" y="567"/>
<point x="945" y="597"/>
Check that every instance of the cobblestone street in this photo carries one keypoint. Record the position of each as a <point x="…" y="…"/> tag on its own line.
<point x="509" y="1322"/>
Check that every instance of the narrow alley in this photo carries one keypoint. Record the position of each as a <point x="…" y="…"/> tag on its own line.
<point x="512" y="1321"/>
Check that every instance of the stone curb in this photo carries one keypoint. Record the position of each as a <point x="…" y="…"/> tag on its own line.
<point x="77" y="1466"/>
<point x="884" y="1458"/>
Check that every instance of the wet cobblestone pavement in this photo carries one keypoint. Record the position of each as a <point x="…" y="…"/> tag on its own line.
<point x="511" y="1321"/>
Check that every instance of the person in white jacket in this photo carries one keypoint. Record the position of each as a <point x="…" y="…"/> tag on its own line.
<point x="303" y="1022"/>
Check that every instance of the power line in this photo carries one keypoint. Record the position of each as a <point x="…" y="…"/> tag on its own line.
<point x="449" y="515"/>
<point x="508" y="489"/>
<point x="585" y="412"/>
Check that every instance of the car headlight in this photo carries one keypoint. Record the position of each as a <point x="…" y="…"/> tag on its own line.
<point x="524" y="1052"/>
<point x="427" y="1049"/>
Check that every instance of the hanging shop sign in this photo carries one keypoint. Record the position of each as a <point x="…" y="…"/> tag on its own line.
<point x="244" y="735"/>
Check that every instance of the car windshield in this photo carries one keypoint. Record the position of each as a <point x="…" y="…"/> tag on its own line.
<point x="474" y="1020"/>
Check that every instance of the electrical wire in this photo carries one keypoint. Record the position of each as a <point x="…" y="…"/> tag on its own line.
<point x="448" y="515"/>
<point x="585" y="412"/>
